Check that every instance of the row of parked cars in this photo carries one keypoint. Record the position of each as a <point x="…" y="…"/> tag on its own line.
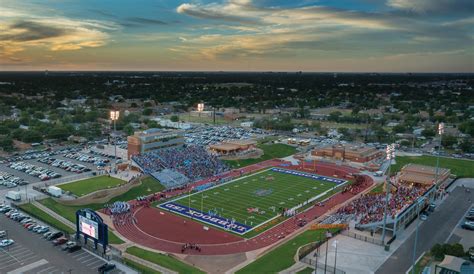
<point x="29" y="155"/>
<point x="42" y="173"/>
<point x="87" y="158"/>
<point x="56" y="237"/>
<point x="66" y="165"/>
<point x="103" y="154"/>
<point x="9" y="180"/>
<point x="469" y="223"/>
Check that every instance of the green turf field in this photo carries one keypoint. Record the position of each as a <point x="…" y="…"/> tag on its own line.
<point x="83" y="187"/>
<point x="270" y="151"/>
<point x="232" y="200"/>
<point x="459" y="167"/>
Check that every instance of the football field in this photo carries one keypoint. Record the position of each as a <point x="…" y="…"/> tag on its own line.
<point x="254" y="199"/>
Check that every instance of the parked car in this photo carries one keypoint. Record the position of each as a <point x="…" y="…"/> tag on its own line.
<point x="3" y="233"/>
<point x="54" y="236"/>
<point x="74" y="248"/>
<point x="59" y="241"/>
<point x="68" y="245"/>
<point x="106" y="267"/>
<point x="468" y="225"/>
<point x="7" y="242"/>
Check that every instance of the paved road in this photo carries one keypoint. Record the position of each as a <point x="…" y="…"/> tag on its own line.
<point x="32" y="254"/>
<point x="436" y="229"/>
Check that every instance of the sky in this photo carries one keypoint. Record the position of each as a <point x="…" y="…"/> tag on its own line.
<point x="238" y="35"/>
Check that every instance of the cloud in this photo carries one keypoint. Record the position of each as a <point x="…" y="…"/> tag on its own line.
<point x="232" y="11"/>
<point x="23" y="31"/>
<point x="441" y="6"/>
<point x="140" y="22"/>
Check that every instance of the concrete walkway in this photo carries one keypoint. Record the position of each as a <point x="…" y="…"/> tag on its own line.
<point x="54" y="215"/>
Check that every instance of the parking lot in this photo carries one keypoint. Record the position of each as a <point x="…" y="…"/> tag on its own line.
<point x="31" y="253"/>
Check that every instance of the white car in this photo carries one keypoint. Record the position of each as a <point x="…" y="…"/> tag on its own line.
<point x="7" y="242"/>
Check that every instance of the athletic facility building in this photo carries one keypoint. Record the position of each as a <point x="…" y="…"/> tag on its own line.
<point x="422" y="175"/>
<point x="233" y="147"/>
<point x="348" y="152"/>
<point x="153" y="139"/>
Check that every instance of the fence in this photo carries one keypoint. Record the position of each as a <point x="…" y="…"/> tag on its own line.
<point x="364" y="238"/>
<point x="322" y="266"/>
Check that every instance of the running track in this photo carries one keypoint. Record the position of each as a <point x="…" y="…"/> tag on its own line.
<point x="167" y="232"/>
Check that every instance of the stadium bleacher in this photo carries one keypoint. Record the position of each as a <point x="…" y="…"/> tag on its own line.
<point x="193" y="162"/>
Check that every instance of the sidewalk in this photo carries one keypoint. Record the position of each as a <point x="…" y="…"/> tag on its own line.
<point x="54" y="215"/>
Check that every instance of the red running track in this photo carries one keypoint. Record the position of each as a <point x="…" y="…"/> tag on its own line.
<point x="167" y="232"/>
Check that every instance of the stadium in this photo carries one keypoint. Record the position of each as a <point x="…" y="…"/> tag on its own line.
<point x="217" y="210"/>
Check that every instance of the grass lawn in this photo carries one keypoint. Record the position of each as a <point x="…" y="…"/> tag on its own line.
<point x="69" y="212"/>
<point x="461" y="168"/>
<point x="148" y="186"/>
<point x="141" y="268"/>
<point x="232" y="200"/>
<point x="163" y="260"/>
<point x="45" y="217"/>
<point x="270" y="151"/>
<point x="282" y="257"/>
<point x="83" y="187"/>
<point x="307" y="270"/>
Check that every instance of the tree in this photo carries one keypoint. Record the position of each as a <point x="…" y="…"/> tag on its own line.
<point x="174" y="118"/>
<point x="6" y="143"/>
<point x="59" y="132"/>
<point x="466" y="146"/>
<point x="449" y="140"/>
<point x="428" y="132"/>
<point x="334" y="116"/>
<point x="400" y="128"/>
<point x="438" y="252"/>
<point x="147" y="111"/>
<point x="467" y="127"/>
<point x="32" y="136"/>
<point x="128" y="129"/>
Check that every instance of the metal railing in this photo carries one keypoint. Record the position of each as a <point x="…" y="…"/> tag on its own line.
<point x="322" y="266"/>
<point x="364" y="238"/>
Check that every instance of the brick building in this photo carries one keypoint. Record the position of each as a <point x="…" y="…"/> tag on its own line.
<point x="348" y="152"/>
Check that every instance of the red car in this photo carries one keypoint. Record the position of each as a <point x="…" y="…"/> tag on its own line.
<point x="60" y="241"/>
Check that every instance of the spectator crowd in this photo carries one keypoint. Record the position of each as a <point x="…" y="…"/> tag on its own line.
<point x="369" y="208"/>
<point x="192" y="161"/>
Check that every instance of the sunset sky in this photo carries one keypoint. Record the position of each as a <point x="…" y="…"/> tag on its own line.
<point x="244" y="35"/>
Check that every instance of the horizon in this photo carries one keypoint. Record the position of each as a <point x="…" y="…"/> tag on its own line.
<point x="346" y="36"/>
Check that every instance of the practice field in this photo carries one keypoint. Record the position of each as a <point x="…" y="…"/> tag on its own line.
<point x="248" y="202"/>
<point x="87" y="186"/>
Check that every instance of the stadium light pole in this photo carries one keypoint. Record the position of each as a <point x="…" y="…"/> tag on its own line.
<point x="114" y="115"/>
<point x="440" y="132"/>
<point x="390" y="151"/>
<point x="335" y="255"/>
<point x="418" y="203"/>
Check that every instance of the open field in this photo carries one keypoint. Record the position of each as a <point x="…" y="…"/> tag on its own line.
<point x="163" y="260"/>
<point x="266" y="192"/>
<point x="45" y="217"/>
<point x="83" y="187"/>
<point x="459" y="167"/>
<point x="270" y="151"/>
<point x="141" y="268"/>
<point x="281" y="257"/>
<point x="69" y="212"/>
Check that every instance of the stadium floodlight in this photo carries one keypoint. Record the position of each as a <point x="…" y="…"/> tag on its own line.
<point x="440" y="132"/>
<point x="114" y="115"/>
<point x="200" y="107"/>
<point x="390" y="152"/>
